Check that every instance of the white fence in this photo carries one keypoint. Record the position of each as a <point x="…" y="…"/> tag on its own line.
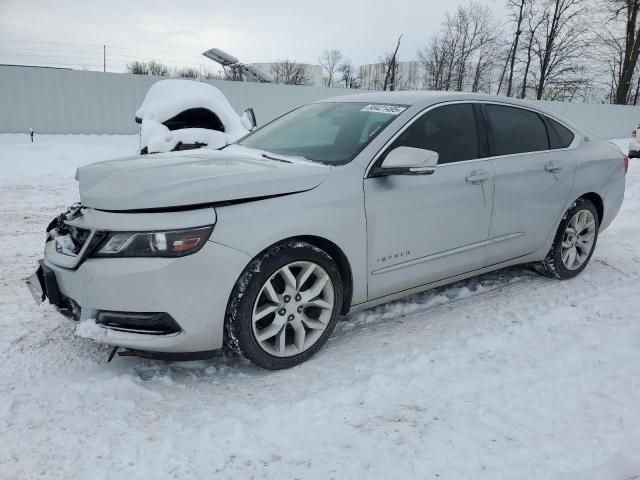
<point x="70" y="101"/>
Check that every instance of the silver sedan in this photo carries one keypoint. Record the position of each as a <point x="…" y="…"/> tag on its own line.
<point x="334" y="207"/>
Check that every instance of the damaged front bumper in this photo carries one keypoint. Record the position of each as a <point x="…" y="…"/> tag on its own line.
<point x="42" y="285"/>
<point x="165" y="305"/>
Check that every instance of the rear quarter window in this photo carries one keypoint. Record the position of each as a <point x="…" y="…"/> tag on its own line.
<point x="559" y="135"/>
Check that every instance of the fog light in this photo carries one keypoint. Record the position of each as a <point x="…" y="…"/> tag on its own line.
<point x="155" y="323"/>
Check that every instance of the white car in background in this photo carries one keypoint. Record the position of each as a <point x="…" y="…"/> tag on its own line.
<point x="634" y="144"/>
<point x="186" y="114"/>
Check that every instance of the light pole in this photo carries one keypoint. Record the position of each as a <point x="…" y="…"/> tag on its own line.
<point x="239" y="71"/>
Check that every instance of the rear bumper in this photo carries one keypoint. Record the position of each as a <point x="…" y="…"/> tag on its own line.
<point x="612" y="202"/>
<point x="193" y="290"/>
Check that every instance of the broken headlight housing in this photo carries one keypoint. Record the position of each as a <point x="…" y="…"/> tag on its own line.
<point x="172" y="243"/>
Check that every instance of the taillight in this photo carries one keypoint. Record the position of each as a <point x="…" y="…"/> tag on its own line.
<point x="626" y="162"/>
<point x="634" y="132"/>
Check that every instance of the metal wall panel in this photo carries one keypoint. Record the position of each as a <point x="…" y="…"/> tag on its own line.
<point x="71" y="101"/>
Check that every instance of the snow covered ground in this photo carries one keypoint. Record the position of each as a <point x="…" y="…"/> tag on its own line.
<point x="507" y="376"/>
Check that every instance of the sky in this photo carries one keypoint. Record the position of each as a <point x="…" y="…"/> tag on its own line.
<point x="72" y="32"/>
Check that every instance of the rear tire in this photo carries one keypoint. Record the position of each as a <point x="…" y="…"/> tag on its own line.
<point x="574" y="242"/>
<point x="284" y="306"/>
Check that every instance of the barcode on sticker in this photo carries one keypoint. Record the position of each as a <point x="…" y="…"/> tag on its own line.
<point x="390" y="109"/>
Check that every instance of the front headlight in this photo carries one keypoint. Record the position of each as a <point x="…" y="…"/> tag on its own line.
<point x="174" y="243"/>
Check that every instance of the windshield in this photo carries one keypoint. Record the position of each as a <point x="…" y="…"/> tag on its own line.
<point x="324" y="132"/>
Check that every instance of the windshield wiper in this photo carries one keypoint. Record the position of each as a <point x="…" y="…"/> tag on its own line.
<point x="276" y="158"/>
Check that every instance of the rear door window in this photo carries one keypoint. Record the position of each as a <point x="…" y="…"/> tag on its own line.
<point x="515" y="130"/>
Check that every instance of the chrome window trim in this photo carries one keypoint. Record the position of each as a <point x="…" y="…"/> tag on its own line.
<point x="573" y="145"/>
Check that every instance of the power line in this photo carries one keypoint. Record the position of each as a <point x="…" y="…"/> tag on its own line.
<point x="109" y="47"/>
<point x="72" y="54"/>
<point x="46" y="55"/>
<point x="50" y="49"/>
<point x="43" y="53"/>
<point x="51" y="43"/>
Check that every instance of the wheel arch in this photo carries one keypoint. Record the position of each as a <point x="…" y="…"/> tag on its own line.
<point x="597" y="202"/>
<point x="336" y="253"/>
<point x="344" y="267"/>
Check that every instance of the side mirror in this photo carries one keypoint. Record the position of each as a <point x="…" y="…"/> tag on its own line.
<point x="408" y="160"/>
<point x="249" y="119"/>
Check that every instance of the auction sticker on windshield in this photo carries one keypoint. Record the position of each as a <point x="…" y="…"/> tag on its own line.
<point x="390" y="109"/>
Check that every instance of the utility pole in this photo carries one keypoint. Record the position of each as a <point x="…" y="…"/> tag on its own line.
<point x="104" y="58"/>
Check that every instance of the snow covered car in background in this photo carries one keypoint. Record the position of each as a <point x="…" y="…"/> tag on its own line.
<point x="335" y="207"/>
<point x="186" y="114"/>
<point x="634" y="144"/>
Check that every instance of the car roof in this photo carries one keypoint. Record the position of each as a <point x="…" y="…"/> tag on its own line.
<point x="404" y="97"/>
<point x="412" y="97"/>
<point x="424" y="98"/>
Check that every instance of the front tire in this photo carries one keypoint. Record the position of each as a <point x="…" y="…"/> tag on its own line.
<point x="284" y="306"/>
<point x="574" y="242"/>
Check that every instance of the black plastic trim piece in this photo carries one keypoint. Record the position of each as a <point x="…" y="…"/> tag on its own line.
<point x="481" y="131"/>
<point x="195" y="206"/>
<point x="170" y="356"/>
<point x="378" y="172"/>
<point x="50" y="284"/>
<point x="143" y="323"/>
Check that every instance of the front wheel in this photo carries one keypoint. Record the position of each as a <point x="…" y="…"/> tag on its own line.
<point x="284" y="306"/>
<point x="574" y="242"/>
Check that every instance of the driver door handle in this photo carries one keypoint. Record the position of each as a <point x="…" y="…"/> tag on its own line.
<point x="553" y="166"/>
<point x="477" y="176"/>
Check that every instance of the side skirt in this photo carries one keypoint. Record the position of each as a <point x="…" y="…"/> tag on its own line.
<point x="533" y="257"/>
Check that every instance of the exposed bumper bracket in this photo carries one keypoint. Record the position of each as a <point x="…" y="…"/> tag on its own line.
<point x="42" y="284"/>
<point x="168" y="356"/>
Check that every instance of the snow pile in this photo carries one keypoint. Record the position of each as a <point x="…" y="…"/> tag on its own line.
<point x="167" y="98"/>
<point x="506" y="376"/>
<point x="58" y="155"/>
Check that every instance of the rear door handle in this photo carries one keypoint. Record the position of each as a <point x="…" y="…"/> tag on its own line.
<point x="553" y="166"/>
<point x="477" y="176"/>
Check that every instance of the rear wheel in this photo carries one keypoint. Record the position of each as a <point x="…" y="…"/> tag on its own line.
<point x="284" y="306"/>
<point x="574" y="242"/>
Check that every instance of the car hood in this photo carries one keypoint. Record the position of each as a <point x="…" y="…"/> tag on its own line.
<point x="197" y="177"/>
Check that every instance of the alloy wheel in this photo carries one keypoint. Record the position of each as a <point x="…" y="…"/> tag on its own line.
<point x="578" y="239"/>
<point x="293" y="308"/>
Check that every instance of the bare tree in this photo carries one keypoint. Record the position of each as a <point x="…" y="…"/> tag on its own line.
<point x="463" y="55"/>
<point x="187" y="72"/>
<point x="518" y="17"/>
<point x="533" y="24"/>
<point x="391" y="68"/>
<point x="485" y="51"/>
<point x="432" y="59"/>
<point x="621" y="41"/>
<point x="152" y="67"/>
<point x="157" y="68"/>
<point x="330" y="60"/>
<point x="347" y="76"/>
<point x="559" y="42"/>
<point x="138" y="68"/>
<point x="290" y="72"/>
